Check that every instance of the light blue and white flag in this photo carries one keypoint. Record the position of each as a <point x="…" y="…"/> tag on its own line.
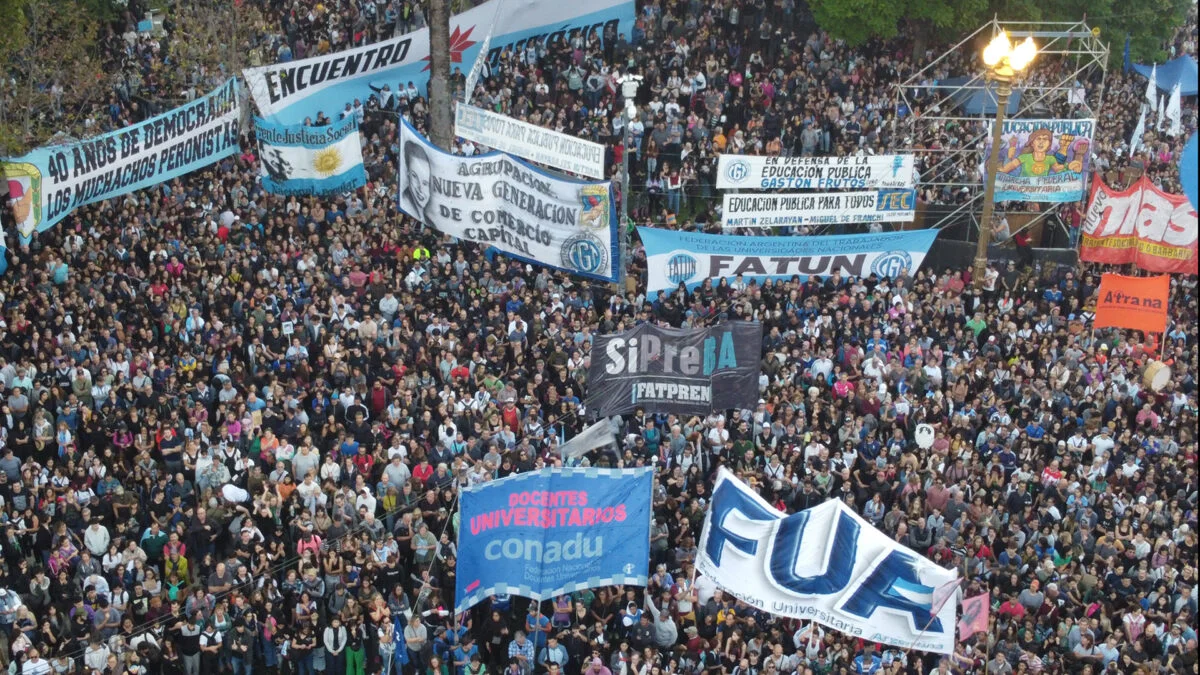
<point x="302" y="160"/>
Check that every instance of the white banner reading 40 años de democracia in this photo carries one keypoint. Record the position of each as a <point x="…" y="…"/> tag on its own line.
<point x="756" y="172"/>
<point x="522" y="212"/>
<point x="54" y="181"/>
<point x="826" y="564"/>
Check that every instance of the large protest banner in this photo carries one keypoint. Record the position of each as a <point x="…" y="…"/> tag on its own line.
<point x="304" y="160"/>
<point x="521" y="211"/>
<point x="1042" y="160"/>
<point x="689" y="258"/>
<point x="1142" y="225"/>
<point x="545" y="533"/>
<point x="528" y="141"/>
<point x="289" y="92"/>
<point x="787" y="210"/>
<point x="757" y="172"/>
<point x="671" y="370"/>
<point x="826" y="564"/>
<point x="51" y="182"/>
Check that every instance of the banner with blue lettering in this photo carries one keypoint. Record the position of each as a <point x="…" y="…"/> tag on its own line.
<point x="304" y="160"/>
<point x="48" y="183"/>
<point x="689" y="258"/>
<point x="1042" y="160"/>
<point x="289" y="92"/>
<point x="554" y="531"/>
<point x="826" y="564"/>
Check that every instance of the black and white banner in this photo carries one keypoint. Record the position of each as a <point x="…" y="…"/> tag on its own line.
<point x="835" y="208"/>
<point x="756" y="172"/>
<point x="521" y="211"/>
<point x="688" y="372"/>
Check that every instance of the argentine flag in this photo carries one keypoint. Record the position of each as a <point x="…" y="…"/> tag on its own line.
<point x="304" y="160"/>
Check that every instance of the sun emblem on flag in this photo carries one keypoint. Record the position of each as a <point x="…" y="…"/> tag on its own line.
<point x="327" y="161"/>
<point x="460" y="41"/>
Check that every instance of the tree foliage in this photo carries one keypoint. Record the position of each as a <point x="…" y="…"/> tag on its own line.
<point x="54" y="75"/>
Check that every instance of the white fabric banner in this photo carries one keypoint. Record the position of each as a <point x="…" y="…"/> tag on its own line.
<point x="826" y="564"/>
<point x="529" y="141"/>
<point x="520" y="211"/>
<point x="757" y="172"/>
<point x="598" y="435"/>
<point x="775" y="210"/>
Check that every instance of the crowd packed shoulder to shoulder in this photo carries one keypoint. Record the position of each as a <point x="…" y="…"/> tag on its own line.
<point x="235" y="424"/>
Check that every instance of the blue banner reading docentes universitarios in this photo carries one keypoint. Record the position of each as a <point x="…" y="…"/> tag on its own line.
<point x="289" y="92"/>
<point x="48" y="183"/>
<point x="689" y="258"/>
<point x="304" y="160"/>
<point x="553" y="531"/>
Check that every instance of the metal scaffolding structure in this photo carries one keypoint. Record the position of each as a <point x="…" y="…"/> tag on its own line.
<point x="1068" y="79"/>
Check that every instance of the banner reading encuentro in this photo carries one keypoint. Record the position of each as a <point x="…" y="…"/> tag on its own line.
<point x="289" y="92"/>
<point x="522" y="212"/>
<point x="1042" y="160"/>
<point x="826" y="564"/>
<point x="304" y="160"/>
<point x="689" y="258"/>
<point x="48" y="183"/>
<point x="554" y="531"/>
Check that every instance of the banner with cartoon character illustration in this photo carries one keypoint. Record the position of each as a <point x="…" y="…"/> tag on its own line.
<point x="1042" y="160"/>
<point x="522" y="212"/>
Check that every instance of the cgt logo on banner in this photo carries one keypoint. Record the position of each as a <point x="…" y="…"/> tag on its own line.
<point x="688" y="258"/>
<point x="554" y="531"/>
<point x="825" y="564"/>
<point x="521" y="211"/>
<point x="48" y="183"/>
<point x="694" y="371"/>
<point x="758" y="172"/>
<point x="1142" y="225"/>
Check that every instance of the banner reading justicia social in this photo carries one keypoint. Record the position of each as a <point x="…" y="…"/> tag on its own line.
<point x="305" y="160"/>
<point x="553" y="532"/>
<point x="671" y="370"/>
<point x="522" y="212"/>
<point x="48" y="183"/>
<point x="1042" y="160"/>
<point x="689" y="258"/>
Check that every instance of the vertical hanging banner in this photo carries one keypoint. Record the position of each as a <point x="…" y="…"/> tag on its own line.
<point x="289" y="92"/>
<point x="1142" y="225"/>
<point x="826" y="564"/>
<point x="555" y="531"/>
<point x="691" y="258"/>
<point x="671" y="370"/>
<point x="521" y="211"/>
<point x="1042" y="160"/>
<point x="758" y="172"/>
<point x="48" y="183"/>
<point x="303" y="160"/>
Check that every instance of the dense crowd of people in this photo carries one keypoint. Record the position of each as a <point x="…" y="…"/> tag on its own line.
<point x="235" y="424"/>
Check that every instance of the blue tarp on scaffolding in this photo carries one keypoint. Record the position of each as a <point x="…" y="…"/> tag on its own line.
<point x="979" y="100"/>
